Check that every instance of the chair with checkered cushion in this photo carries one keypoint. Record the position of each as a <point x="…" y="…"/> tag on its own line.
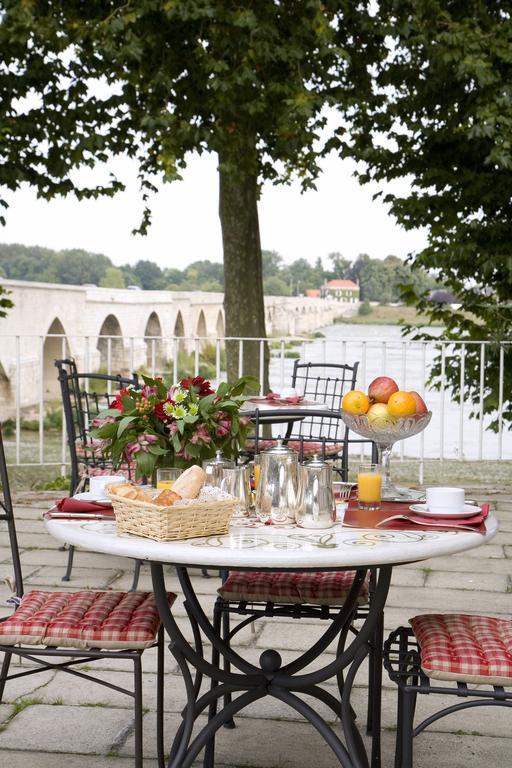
<point x="65" y="630"/>
<point x="84" y="395"/>
<point x="318" y="594"/>
<point x="447" y="654"/>
<point x="311" y="433"/>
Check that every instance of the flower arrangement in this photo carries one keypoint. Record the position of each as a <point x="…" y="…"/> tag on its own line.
<point x="156" y="426"/>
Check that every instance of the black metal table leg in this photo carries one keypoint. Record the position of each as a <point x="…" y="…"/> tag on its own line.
<point x="250" y="682"/>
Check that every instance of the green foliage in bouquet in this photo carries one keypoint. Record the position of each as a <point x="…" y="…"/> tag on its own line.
<point x="155" y="426"/>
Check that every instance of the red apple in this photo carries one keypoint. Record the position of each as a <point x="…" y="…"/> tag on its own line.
<point x="420" y="403"/>
<point x="381" y="389"/>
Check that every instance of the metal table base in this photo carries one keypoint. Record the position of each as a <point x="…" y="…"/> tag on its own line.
<point x="284" y="682"/>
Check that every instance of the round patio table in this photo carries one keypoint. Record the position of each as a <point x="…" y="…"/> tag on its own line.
<point x="274" y="549"/>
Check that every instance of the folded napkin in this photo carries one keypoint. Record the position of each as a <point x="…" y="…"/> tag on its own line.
<point x="75" y="509"/>
<point x="395" y="516"/>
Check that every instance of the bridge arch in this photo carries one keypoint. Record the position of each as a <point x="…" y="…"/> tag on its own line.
<point x="154" y="346"/>
<point x="220" y="328"/>
<point x="110" y="346"/>
<point x="201" y="327"/>
<point x="5" y="388"/>
<point x="55" y="347"/>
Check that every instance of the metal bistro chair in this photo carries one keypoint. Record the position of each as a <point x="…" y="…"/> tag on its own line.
<point x="81" y="404"/>
<point x="469" y="657"/>
<point x="324" y="432"/>
<point x="60" y="630"/>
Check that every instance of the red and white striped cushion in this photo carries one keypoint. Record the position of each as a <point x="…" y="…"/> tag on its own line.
<point x="111" y="620"/>
<point x="317" y="588"/>
<point x="308" y="448"/>
<point x="470" y="649"/>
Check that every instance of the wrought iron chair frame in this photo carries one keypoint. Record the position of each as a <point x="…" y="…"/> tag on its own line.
<point x="74" y="400"/>
<point x="64" y="659"/>
<point x="402" y="661"/>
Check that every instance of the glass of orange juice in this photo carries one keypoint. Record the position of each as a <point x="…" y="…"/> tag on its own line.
<point x="369" y="487"/>
<point x="165" y="477"/>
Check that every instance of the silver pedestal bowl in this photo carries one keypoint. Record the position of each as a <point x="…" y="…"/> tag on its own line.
<point x="385" y="433"/>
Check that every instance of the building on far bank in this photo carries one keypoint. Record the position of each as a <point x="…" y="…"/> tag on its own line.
<point x="341" y="290"/>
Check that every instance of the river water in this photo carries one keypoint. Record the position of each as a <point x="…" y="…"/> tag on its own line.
<point x="381" y="350"/>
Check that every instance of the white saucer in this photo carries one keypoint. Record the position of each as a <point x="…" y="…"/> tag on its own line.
<point x="467" y="511"/>
<point x="89" y="496"/>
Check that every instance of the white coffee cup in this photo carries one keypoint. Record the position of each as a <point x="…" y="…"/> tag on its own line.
<point x="447" y="500"/>
<point x="288" y="392"/>
<point x="98" y="483"/>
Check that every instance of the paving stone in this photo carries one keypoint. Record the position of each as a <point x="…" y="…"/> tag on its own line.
<point x="29" y="687"/>
<point x="84" y="730"/>
<point x="83" y="578"/>
<point x="474" y="581"/>
<point x="461" y="564"/>
<point x="449" y="599"/>
<point x="52" y="760"/>
<point x="5" y="712"/>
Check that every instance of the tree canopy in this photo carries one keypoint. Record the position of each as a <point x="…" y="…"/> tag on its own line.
<point x="440" y="116"/>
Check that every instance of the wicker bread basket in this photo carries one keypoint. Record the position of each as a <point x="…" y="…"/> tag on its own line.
<point x="179" y="521"/>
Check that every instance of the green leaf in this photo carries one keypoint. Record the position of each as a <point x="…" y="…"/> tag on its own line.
<point x="124" y="424"/>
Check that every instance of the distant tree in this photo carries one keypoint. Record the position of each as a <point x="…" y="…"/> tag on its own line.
<point x="113" y="278"/>
<point x="276" y="286"/>
<point x="150" y="275"/>
<point x="76" y="267"/>
<point x="357" y="266"/>
<point x="5" y="303"/>
<point x="340" y="265"/>
<point x="272" y="263"/>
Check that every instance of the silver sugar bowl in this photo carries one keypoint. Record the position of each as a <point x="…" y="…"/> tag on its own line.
<point x="316" y="508"/>
<point x="214" y="468"/>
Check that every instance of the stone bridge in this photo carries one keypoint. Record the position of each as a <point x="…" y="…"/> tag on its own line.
<point x="120" y="330"/>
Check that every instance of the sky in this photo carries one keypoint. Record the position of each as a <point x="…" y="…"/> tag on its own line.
<point x="340" y="216"/>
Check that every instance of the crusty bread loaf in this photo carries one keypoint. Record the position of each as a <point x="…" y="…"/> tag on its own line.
<point x="166" y="498"/>
<point x="125" y="490"/>
<point x="190" y="482"/>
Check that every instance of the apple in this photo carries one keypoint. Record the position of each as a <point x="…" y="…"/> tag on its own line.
<point x="379" y="416"/>
<point x="381" y="389"/>
<point x="420" y="403"/>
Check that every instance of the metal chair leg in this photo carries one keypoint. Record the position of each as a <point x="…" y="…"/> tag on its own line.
<point x="209" y="751"/>
<point x="405" y="723"/>
<point x="69" y="568"/>
<point x="375" y="697"/>
<point x="4" y="672"/>
<point x="137" y="672"/>
<point x="136" y="575"/>
<point x="226" y="628"/>
<point x="160" y="699"/>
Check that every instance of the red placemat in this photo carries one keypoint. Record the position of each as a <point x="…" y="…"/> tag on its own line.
<point x="396" y="516"/>
<point x="76" y="509"/>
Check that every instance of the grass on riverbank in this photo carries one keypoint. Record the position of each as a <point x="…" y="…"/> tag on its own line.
<point x="387" y="314"/>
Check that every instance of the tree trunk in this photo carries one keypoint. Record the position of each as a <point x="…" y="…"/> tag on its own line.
<point x="243" y="272"/>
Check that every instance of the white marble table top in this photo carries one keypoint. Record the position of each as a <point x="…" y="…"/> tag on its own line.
<point x="270" y="547"/>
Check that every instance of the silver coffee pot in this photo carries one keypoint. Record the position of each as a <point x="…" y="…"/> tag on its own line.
<point x="278" y="491"/>
<point x="316" y="508"/>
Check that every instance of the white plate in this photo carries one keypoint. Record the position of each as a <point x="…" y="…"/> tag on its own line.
<point x="88" y="496"/>
<point x="467" y="511"/>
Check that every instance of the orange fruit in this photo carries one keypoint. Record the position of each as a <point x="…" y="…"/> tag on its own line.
<point x="355" y="401"/>
<point x="401" y="404"/>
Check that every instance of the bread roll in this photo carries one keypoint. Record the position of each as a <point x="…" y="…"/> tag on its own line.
<point x="190" y="482"/>
<point x="166" y="498"/>
<point x="125" y="490"/>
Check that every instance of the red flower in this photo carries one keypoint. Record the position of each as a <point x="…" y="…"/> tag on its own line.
<point x="160" y="410"/>
<point x="201" y="385"/>
<point x="118" y="402"/>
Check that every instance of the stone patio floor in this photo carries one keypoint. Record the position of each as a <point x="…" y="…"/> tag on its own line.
<point x="55" y="721"/>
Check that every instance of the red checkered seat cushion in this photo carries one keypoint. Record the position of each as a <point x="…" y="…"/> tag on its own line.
<point x="317" y="588"/>
<point x="108" y="620"/>
<point x="470" y="649"/>
<point x="309" y="449"/>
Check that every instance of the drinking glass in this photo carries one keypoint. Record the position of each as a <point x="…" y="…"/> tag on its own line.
<point x="165" y="477"/>
<point x="369" y="487"/>
<point x="237" y="483"/>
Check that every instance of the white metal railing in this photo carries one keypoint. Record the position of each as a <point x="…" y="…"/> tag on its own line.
<point x="29" y="386"/>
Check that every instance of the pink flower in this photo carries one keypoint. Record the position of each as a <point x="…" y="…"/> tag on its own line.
<point x="146" y="391"/>
<point x="226" y="423"/>
<point x="201" y="434"/>
<point x="99" y="421"/>
<point x="172" y="427"/>
<point x="245" y="420"/>
<point x="221" y="431"/>
<point x="141" y="444"/>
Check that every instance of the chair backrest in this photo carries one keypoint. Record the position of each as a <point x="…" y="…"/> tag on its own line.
<point x="7" y="515"/>
<point x="326" y="383"/>
<point x="84" y="395"/>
